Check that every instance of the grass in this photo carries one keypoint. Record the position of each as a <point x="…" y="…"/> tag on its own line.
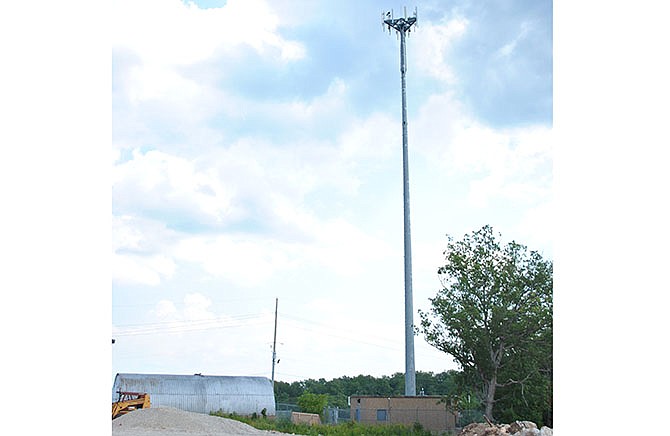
<point x="345" y="429"/>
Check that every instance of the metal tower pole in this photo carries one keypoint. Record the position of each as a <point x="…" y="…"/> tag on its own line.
<point x="274" y="345"/>
<point x="402" y="26"/>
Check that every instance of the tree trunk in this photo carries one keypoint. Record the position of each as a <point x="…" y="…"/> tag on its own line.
<point x="490" y="395"/>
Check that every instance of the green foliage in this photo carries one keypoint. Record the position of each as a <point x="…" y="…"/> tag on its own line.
<point x="494" y="316"/>
<point x="339" y="389"/>
<point x="345" y="429"/>
<point x="466" y="417"/>
<point x="312" y="403"/>
<point x="461" y="395"/>
<point x="288" y="392"/>
<point x="530" y="401"/>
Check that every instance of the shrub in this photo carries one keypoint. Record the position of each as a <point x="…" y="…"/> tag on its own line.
<point x="344" y="429"/>
<point x="312" y="403"/>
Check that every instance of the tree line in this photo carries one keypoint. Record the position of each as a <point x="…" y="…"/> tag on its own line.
<point x="494" y="316"/>
<point x="339" y="389"/>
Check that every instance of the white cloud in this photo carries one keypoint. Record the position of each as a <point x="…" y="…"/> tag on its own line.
<point x="242" y="259"/>
<point x="500" y="163"/>
<point x="165" y="36"/>
<point x="433" y="42"/>
<point x="372" y="138"/>
<point x="331" y="102"/>
<point x="188" y="336"/>
<point x="251" y="181"/>
<point x="160" y="181"/>
<point x="165" y="309"/>
<point x="250" y="260"/>
<point x="536" y="228"/>
<point x="196" y="307"/>
<point x="507" y="49"/>
<point x="153" y="82"/>
<point x="171" y="32"/>
<point x="140" y="235"/>
<point x="146" y="270"/>
<point x="346" y="249"/>
<point x="139" y="246"/>
<point x="265" y="177"/>
<point x="325" y="108"/>
<point x="193" y="313"/>
<point x="231" y="183"/>
<point x="125" y="236"/>
<point x="516" y="164"/>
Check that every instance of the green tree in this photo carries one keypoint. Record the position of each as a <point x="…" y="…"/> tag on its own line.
<point x="288" y="392"/>
<point x="532" y="399"/>
<point x="312" y="403"/>
<point x="493" y="314"/>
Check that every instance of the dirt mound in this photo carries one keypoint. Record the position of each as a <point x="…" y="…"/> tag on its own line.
<point x="517" y="428"/>
<point x="171" y="421"/>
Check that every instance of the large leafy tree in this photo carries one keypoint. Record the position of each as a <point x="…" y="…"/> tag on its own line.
<point x="494" y="316"/>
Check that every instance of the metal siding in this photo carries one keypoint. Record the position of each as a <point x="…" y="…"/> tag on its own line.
<point x="203" y="394"/>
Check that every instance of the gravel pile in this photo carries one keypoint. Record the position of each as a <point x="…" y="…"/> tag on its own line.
<point x="175" y="422"/>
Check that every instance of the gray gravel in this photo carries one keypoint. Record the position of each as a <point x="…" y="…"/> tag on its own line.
<point x="174" y="422"/>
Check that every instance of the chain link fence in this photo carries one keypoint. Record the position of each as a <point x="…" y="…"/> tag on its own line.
<point x="465" y="417"/>
<point x="330" y="415"/>
<point x="283" y="410"/>
<point x="335" y="415"/>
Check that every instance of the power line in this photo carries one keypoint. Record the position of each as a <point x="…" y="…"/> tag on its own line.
<point x="158" y="323"/>
<point x="339" y="329"/>
<point x="182" y="303"/>
<point x="346" y="338"/>
<point x="184" y="327"/>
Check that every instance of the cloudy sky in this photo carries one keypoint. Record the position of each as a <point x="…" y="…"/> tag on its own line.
<point x="257" y="155"/>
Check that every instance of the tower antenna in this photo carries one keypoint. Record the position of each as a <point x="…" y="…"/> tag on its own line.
<point x="402" y="26"/>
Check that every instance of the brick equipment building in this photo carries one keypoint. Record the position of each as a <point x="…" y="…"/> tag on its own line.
<point x="425" y="410"/>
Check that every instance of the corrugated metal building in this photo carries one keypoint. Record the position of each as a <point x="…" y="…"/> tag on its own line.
<point x="201" y="393"/>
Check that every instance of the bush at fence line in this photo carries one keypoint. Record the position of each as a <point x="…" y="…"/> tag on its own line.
<point x="283" y="415"/>
<point x="288" y="406"/>
<point x="312" y="403"/>
<point x="344" y="429"/>
<point x="336" y="415"/>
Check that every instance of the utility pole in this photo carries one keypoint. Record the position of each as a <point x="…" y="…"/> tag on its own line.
<point x="274" y="345"/>
<point x="403" y="26"/>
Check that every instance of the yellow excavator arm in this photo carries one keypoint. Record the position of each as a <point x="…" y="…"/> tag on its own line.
<point x="129" y="401"/>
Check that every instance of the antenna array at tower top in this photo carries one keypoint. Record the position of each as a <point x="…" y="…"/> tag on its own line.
<point x="402" y="24"/>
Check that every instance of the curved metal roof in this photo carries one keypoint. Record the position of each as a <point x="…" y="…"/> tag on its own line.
<point x="201" y="393"/>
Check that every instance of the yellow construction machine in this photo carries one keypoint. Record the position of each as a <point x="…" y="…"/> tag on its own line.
<point x="129" y="401"/>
